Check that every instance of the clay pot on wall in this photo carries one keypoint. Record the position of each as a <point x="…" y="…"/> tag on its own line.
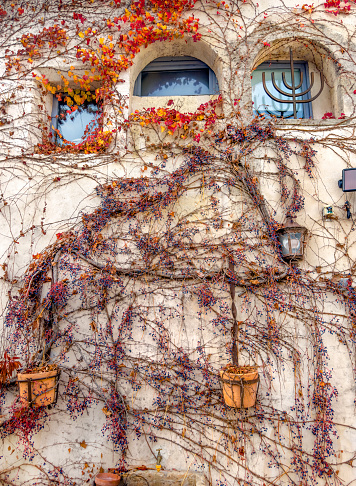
<point x="107" y="479"/>
<point x="240" y="385"/>
<point x="38" y="388"/>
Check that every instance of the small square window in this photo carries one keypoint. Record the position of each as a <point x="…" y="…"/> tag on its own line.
<point x="74" y="125"/>
<point x="280" y="72"/>
<point x="176" y="76"/>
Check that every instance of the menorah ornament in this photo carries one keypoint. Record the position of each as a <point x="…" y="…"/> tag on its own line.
<point x="292" y="87"/>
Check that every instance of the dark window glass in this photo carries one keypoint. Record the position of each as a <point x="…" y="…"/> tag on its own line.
<point x="176" y="76"/>
<point x="175" y="83"/>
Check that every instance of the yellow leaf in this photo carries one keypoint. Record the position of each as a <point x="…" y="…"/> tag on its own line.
<point x="101" y="40"/>
<point x="163" y="129"/>
<point x="93" y="326"/>
<point x="81" y="35"/>
<point x="107" y="412"/>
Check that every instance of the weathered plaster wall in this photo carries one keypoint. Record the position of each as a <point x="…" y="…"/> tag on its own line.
<point x="62" y="203"/>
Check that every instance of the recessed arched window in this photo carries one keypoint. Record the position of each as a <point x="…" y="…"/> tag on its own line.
<point x="288" y="88"/>
<point x="176" y="76"/>
<point x="276" y="74"/>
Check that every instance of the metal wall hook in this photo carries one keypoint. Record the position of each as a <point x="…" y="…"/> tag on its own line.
<point x="347" y="206"/>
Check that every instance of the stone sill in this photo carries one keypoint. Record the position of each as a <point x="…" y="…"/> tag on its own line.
<point x="165" y="478"/>
<point x="315" y="124"/>
<point x="88" y="160"/>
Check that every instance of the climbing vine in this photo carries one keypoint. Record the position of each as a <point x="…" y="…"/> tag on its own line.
<point x="145" y="258"/>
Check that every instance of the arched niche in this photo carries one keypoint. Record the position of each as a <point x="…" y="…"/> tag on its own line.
<point x="318" y="60"/>
<point x="177" y="48"/>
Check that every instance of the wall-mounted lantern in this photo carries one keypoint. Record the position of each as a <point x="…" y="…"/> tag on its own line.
<point x="348" y="181"/>
<point x="291" y="237"/>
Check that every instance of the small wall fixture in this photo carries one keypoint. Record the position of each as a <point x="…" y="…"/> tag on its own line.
<point x="348" y="181"/>
<point x="291" y="237"/>
<point x="328" y="212"/>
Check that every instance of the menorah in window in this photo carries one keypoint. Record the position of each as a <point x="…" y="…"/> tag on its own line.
<point x="280" y="89"/>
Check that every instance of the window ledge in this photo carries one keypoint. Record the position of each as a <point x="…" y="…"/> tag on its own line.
<point x="321" y="124"/>
<point x="90" y="160"/>
<point x="181" y="103"/>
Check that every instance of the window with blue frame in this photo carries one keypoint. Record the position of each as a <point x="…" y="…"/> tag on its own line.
<point x="176" y="76"/>
<point x="278" y="81"/>
<point x="74" y="125"/>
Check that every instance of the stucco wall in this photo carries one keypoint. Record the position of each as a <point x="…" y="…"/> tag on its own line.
<point x="58" y="205"/>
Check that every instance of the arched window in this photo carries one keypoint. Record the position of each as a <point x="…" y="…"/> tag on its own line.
<point x="176" y="76"/>
<point x="276" y="73"/>
<point x="294" y="87"/>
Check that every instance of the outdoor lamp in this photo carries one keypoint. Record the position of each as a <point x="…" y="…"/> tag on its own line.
<point x="348" y="181"/>
<point x="291" y="238"/>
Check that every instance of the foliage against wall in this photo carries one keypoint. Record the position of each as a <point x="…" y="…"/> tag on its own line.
<point x="115" y="264"/>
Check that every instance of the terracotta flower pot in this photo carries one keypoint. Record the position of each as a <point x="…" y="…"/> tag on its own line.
<point x="107" y="479"/>
<point x="240" y="385"/>
<point x="38" y="388"/>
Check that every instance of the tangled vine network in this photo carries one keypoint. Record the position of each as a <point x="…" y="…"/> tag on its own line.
<point x="143" y="259"/>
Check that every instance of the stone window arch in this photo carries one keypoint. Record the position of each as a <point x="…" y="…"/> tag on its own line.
<point x="179" y="50"/>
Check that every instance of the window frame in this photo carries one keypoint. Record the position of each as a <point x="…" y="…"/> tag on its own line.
<point x="176" y="63"/>
<point x="55" y="114"/>
<point x="304" y="67"/>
